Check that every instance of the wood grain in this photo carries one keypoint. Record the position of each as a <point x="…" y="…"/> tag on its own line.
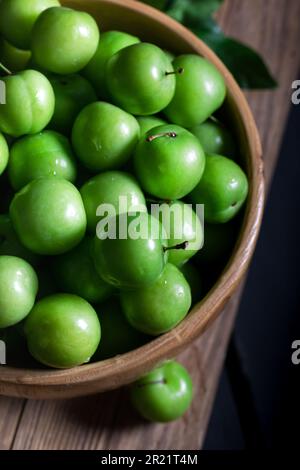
<point x="10" y="414"/>
<point x="106" y="421"/>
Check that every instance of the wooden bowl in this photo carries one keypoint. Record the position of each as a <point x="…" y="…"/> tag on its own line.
<point x="151" y="25"/>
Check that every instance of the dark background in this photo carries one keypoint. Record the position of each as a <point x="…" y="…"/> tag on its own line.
<point x="258" y="400"/>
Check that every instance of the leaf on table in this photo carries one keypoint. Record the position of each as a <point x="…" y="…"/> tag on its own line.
<point x="187" y="10"/>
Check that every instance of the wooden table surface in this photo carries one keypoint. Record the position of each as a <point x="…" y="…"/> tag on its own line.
<point x="106" y="421"/>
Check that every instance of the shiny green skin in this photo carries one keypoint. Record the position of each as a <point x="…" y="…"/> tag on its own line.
<point x="219" y="240"/>
<point x="17" y="18"/>
<point x="104" y="136"/>
<point x="149" y="122"/>
<point x="118" y="336"/>
<point x="223" y="189"/>
<point x="194" y="280"/>
<point x="111" y="43"/>
<point x="10" y="244"/>
<point x="18" y="289"/>
<point x="75" y="273"/>
<point x="4" y="153"/>
<point x="181" y="220"/>
<point x="107" y="188"/>
<point x="48" y="216"/>
<point x="64" y="40"/>
<point x="45" y="154"/>
<point x="215" y="138"/>
<point x="130" y="263"/>
<point x="72" y="94"/>
<point x="159" y="307"/>
<point x="200" y="91"/>
<point x="169" y="167"/>
<point x="29" y="103"/>
<point x="163" y="394"/>
<point x="12" y="58"/>
<point x="137" y="81"/>
<point x="62" y="331"/>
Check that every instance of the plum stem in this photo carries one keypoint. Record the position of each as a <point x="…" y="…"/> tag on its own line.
<point x="180" y="246"/>
<point x="6" y="70"/>
<point x="178" y="71"/>
<point x="150" y="138"/>
<point x="152" y="382"/>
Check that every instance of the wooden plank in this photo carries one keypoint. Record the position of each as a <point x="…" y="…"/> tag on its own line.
<point x="10" y="414"/>
<point x="106" y="421"/>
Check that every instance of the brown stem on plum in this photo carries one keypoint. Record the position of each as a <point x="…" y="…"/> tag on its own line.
<point x="180" y="246"/>
<point x="152" y="382"/>
<point x="5" y="69"/>
<point x="150" y="138"/>
<point x="178" y="71"/>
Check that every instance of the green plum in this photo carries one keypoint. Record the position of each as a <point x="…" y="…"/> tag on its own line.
<point x="169" y="162"/>
<point x="164" y="394"/>
<point x="12" y="58"/>
<point x="183" y="227"/>
<point x="72" y="94"/>
<point x="62" y="331"/>
<point x="200" y="91"/>
<point x="104" y="136"/>
<point x="4" y="154"/>
<point x="149" y="122"/>
<point x="18" y="289"/>
<point x="141" y="79"/>
<point x="64" y="40"/>
<point x="10" y="244"/>
<point x="48" y="216"/>
<point x="17" y="18"/>
<point x="118" y="336"/>
<point x="111" y="42"/>
<point x="108" y="188"/>
<point x="75" y="273"/>
<point x="29" y="103"/>
<point x="194" y="280"/>
<point x="215" y="138"/>
<point x="223" y="189"/>
<point x="45" y="154"/>
<point x="129" y="251"/>
<point x="160" y="306"/>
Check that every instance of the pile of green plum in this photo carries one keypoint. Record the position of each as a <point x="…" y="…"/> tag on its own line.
<point x="90" y="119"/>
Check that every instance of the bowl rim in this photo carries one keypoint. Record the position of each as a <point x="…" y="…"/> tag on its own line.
<point x="124" y="368"/>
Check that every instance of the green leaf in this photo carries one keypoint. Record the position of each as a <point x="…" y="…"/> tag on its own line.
<point x="186" y="10"/>
<point x="245" y="64"/>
